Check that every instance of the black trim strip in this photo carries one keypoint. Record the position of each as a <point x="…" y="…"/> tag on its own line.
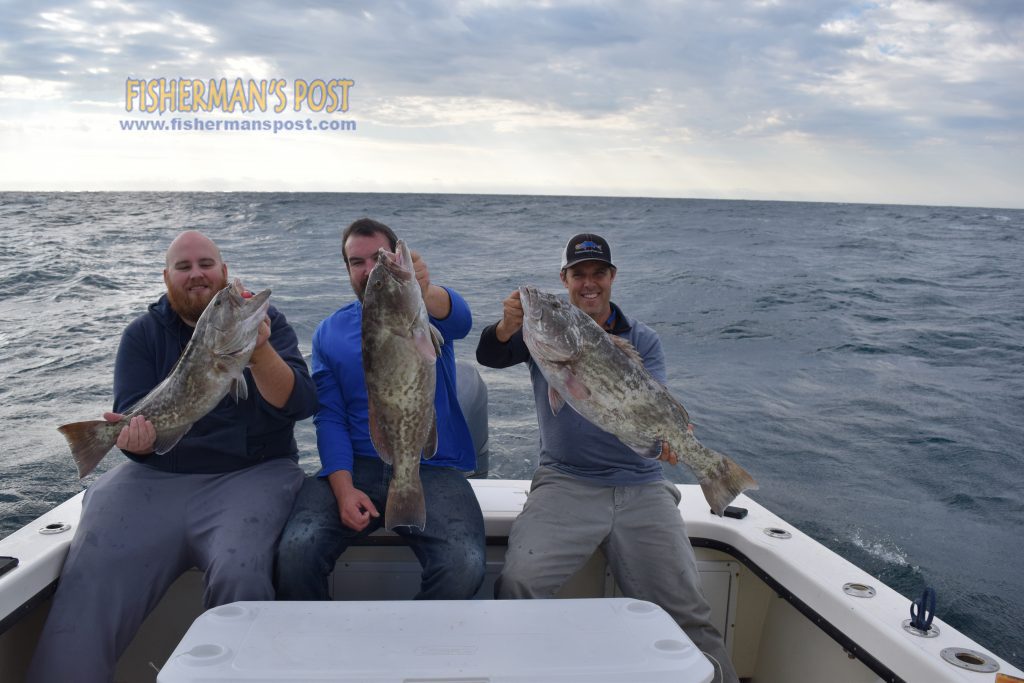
<point x="27" y="606"/>
<point x="862" y="655"/>
<point x="389" y="540"/>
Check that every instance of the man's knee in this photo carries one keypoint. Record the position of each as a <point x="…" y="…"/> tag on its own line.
<point x="230" y="581"/>
<point x="457" y="575"/>
<point x="513" y="585"/>
<point x="524" y="576"/>
<point x="297" y="539"/>
<point x="470" y="568"/>
<point x="306" y="544"/>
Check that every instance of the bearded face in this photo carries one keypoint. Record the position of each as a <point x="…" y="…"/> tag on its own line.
<point x="194" y="274"/>
<point x="190" y="299"/>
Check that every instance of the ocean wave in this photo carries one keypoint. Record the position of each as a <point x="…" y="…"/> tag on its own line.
<point x="875" y="348"/>
<point x="882" y="549"/>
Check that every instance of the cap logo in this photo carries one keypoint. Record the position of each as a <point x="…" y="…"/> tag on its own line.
<point x="586" y="247"/>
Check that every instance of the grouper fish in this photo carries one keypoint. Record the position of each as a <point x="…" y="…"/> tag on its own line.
<point x="400" y="351"/>
<point x="603" y="378"/>
<point x="209" y="368"/>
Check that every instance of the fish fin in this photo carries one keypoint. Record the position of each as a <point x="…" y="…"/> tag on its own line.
<point x="430" y="450"/>
<point x="682" y="410"/>
<point x="555" y="400"/>
<point x="626" y="348"/>
<point x="577" y="389"/>
<point x="438" y="338"/>
<point x="239" y="389"/>
<point x="227" y="346"/>
<point x="168" y="439"/>
<point x="89" y="442"/>
<point x="728" y="481"/>
<point x="425" y="344"/>
<point x="406" y="505"/>
<point x="377" y="436"/>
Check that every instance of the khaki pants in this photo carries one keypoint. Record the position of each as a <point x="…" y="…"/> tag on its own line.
<point x="640" y="531"/>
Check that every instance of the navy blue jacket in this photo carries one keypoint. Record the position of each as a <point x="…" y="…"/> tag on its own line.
<point x="232" y="436"/>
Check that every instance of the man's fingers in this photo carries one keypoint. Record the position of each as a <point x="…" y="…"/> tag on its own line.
<point x="667" y="454"/>
<point x="138" y="436"/>
<point x="263" y="333"/>
<point x="512" y="309"/>
<point x="370" y="508"/>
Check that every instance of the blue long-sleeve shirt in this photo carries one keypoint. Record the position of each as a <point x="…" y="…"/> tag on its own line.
<point x="568" y="441"/>
<point x="342" y="422"/>
<point x="233" y="435"/>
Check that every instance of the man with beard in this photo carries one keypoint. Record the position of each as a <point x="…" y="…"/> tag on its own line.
<point x="217" y="500"/>
<point x="345" y="500"/>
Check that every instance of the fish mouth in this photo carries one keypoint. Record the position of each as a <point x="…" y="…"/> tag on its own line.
<point x="530" y="298"/>
<point x="254" y="302"/>
<point x="256" y="308"/>
<point x="397" y="264"/>
<point x="252" y="310"/>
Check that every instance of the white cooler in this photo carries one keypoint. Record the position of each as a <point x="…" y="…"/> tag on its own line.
<point x="473" y="641"/>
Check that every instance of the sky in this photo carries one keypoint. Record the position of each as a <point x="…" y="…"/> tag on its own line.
<point x="896" y="101"/>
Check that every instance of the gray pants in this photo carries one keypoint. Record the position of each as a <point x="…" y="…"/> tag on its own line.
<point x="140" y="530"/>
<point x="640" y="531"/>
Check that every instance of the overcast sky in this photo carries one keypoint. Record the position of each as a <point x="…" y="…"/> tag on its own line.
<point x="908" y="102"/>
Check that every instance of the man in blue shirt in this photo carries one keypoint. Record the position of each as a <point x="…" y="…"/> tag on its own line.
<point x="346" y="499"/>
<point x="217" y="500"/>
<point x="591" y="490"/>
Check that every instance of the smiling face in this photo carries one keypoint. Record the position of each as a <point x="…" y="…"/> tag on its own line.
<point x="590" y="288"/>
<point x="194" y="274"/>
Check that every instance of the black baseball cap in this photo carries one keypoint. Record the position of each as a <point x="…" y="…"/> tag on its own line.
<point x="586" y="247"/>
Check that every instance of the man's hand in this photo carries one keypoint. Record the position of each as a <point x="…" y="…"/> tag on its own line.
<point x="435" y="298"/>
<point x="669" y="455"/>
<point x="419" y="267"/>
<point x="139" y="436"/>
<point x="263" y="334"/>
<point x="356" y="509"/>
<point x="511" y="317"/>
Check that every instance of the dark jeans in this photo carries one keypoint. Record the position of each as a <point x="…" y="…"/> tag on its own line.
<point x="450" y="548"/>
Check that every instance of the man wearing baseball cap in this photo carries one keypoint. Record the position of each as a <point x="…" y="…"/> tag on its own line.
<point x="617" y="500"/>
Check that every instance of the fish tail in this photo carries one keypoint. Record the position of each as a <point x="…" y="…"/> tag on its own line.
<point x="406" y="505"/>
<point x="728" y="481"/>
<point x="89" y="442"/>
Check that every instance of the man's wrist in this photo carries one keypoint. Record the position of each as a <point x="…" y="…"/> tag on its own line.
<point x="261" y="354"/>
<point x="341" y="482"/>
<point x="500" y="334"/>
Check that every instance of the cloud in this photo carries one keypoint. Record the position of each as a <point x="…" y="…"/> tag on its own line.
<point x="686" y="79"/>
<point x="35" y="89"/>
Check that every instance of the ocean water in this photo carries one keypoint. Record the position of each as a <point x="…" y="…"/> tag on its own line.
<point x="865" y="363"/>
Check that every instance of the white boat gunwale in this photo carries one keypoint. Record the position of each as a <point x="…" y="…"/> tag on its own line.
<point x="799" y="570"/>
